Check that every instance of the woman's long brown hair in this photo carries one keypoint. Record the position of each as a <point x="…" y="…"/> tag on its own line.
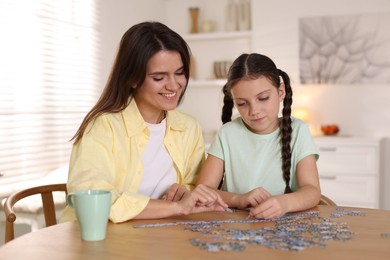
<point x="136" y="47"/>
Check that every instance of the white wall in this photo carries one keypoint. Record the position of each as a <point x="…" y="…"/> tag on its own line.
<point x="117" y="17"/>
<point x="358" y="109"/>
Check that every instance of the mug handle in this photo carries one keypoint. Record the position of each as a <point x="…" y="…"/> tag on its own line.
<point x="69" y="200"/>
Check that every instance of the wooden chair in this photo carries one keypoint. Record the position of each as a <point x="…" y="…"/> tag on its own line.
<point x="326" y="201"/>
<point x="48" y="205"/>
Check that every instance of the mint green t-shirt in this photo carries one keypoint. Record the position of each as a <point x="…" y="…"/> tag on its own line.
<point x="254" y="160"/>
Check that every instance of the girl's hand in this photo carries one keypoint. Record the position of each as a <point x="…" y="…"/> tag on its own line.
<point x="273" y="207"/>
<point x="253" y="198"/>
<point x="201" y="199"/>
<point x="175" y="192"/>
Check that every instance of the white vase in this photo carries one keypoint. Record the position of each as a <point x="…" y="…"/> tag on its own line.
<point x="244" y="15"/>
<point x="231" y="16"/>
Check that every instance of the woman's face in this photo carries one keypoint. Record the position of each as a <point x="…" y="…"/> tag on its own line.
<point x="258" y="103"/>
<point x="162" y="87"/>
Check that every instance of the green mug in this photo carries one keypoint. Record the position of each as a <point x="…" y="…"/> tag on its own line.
<point x="92" y="211"/>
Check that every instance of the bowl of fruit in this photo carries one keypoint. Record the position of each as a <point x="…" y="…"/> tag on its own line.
<point x="330" y="129"/>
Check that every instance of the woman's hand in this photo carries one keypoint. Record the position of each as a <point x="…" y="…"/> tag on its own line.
<point x="175" y="192"/>
<point x="201" y="199"/>
<point x="252" y="198"/>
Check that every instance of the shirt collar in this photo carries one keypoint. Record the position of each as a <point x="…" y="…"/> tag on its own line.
<point x="135" y="123"/>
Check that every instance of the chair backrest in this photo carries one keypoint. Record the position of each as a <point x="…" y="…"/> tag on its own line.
<point x="326" y="201"/>
<point x="46" y="192"/>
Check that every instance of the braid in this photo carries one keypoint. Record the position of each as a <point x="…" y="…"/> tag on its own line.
<point x="227" y="109"/>
<point x="286" y="131"/>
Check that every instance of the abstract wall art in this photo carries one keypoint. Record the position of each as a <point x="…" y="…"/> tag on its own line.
<point x="350" y="49"/>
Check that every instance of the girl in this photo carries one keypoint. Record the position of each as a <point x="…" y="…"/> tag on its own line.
<point x="265" y="162"/>
<point x="134" y="142"/>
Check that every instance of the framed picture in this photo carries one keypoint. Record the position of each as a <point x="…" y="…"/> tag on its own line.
<point x="350" y="49"/>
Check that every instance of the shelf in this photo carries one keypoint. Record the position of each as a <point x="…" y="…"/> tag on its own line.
<point x="207" y="83"/>
<point x="217" y="35"/>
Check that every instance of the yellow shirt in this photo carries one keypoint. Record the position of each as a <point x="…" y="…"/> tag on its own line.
<point x="109" y="157"/>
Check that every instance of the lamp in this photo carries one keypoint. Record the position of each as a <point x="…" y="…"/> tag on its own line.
<point x="301" y="113"/>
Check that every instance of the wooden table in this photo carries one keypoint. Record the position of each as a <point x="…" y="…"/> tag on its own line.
<point x="123" y="241"/>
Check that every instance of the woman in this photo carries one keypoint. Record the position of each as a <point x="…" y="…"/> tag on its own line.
<point x="133" y="141"/>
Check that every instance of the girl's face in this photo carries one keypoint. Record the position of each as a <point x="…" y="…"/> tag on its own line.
<point x="258" y="103"/>
<point x="163" y="86"/>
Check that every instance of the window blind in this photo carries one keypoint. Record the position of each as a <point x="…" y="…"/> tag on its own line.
<point x="48" y="81"/>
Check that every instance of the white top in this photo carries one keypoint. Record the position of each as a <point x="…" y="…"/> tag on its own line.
<point x="159" y="173"/>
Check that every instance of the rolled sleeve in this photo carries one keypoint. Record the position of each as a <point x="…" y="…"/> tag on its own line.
<point x="100" y="160"/>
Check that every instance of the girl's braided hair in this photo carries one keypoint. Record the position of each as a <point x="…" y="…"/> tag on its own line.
<point x="252" y="66"/>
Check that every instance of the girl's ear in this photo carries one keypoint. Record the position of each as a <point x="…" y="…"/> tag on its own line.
<point x="282" y="92"/>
